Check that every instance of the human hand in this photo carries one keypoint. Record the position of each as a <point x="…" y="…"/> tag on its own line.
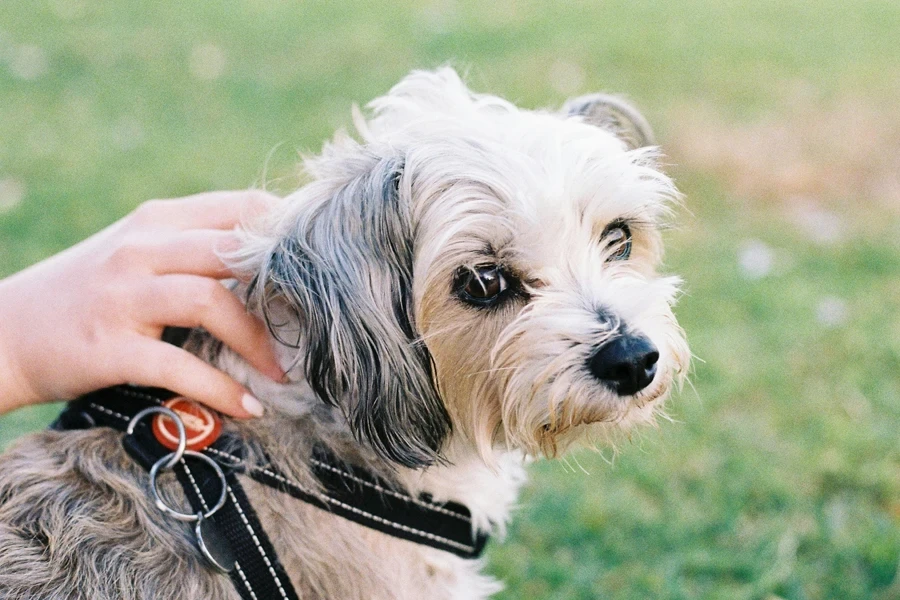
<point x="92" y="316"/>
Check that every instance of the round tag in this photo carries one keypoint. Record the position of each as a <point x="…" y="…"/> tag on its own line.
<point x="201" y="425"/>
<point x="214" y="546"/>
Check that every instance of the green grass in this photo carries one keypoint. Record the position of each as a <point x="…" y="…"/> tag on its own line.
<point x="780" y="476"/>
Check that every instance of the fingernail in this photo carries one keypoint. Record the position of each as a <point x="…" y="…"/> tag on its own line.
<point x="278" y="375"/>
<point x="252" y="405"/>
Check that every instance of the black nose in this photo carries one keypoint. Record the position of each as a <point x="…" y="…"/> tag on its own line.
<point x="626" y="364"/>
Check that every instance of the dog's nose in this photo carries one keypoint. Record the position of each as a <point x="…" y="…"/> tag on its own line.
<point x="626" y="364"/>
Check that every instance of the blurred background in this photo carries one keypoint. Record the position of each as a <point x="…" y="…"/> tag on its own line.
<point x="779" y="476"/>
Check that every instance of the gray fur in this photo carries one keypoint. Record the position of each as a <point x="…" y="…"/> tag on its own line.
<point x="345" y="270"/>
<point x="615" y="115"/>
<point x="76" y="523"/>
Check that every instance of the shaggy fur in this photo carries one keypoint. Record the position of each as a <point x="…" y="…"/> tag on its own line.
<point x="360" y="275"/>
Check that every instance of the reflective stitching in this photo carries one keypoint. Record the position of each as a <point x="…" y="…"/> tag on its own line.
<point x="258" y="545"/>
<point x="240" y="572"/>
<point x="383" y="490"/>
<point x="237" y="565"/>
<point x="194" y="483"/>
<point x="139" y="395"/>
<point x="323" y="497"/>
<point x="111" y="413"/>
<point x="225" y="455"/>
<point x="376" y="518"/>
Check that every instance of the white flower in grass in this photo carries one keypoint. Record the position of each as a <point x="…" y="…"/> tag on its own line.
<point x="207" y="62"/>
<point x="823" y="227"/>
<point x="28" y="62"/>
<point x="566" y="77"/>
<point x="832" y="312"/>
<point x="12" y="192"/>
<point x="438" y="17"/>
<point x="69" y="10"/>
<point x="755" y="259"/>
<point x="128" y="133"/>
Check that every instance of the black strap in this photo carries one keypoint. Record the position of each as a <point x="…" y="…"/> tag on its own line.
<point x="362" y="498"/>
<point x="354" y="494"/>
<point x="258" y="573"/>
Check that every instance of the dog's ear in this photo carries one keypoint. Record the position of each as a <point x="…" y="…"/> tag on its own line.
<point x="614" y="115"/>
<point x="345" y="266"/>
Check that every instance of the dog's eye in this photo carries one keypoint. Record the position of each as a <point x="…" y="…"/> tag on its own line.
<point x="481" y="285"/>
<point x="617" y="237"/>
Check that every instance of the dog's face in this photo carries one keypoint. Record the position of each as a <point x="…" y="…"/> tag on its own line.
<point x="477" y="270"/>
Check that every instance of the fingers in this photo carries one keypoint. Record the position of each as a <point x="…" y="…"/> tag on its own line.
<point x="194" y="252"/>
<point x="162" y="365"/>
<point x="191" y="301"/>
<point x="210" y="210"/>
<point x="179" y="242"/>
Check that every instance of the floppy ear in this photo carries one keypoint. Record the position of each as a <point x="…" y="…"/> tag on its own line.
<point x="615" y="115"/>
<point x="344" y="267"/>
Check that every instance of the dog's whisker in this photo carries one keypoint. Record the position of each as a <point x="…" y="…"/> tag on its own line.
<point x="494" y="370"/>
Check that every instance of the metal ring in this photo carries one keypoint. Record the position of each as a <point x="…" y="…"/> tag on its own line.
<point x="172" y="457"/>
<point x="175" y="514"/>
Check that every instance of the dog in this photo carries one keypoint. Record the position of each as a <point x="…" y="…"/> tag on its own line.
<point x="466" y="286"/>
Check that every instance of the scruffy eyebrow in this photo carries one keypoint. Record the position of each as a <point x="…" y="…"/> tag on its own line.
<point x="632" y="220"/>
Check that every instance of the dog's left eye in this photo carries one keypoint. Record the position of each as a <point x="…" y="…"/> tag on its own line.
<point x="617" y="238"/>
<point x="481" y="285"/>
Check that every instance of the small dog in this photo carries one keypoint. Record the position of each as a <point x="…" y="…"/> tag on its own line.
<point x="470" y="285"/>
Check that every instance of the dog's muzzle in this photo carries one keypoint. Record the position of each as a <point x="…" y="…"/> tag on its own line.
<point x="625" y="364"/>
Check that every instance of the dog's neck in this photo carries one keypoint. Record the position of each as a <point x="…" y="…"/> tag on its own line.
<point x="489" y="491"/>
<point x="296" y="420"/>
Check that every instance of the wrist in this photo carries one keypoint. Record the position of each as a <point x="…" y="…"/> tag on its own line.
<point x="14" y="391"/>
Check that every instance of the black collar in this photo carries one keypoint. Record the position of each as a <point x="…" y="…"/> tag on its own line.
<point x="354" y="494"/>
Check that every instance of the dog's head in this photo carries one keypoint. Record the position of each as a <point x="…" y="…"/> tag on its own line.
<point x="474" y="268"/>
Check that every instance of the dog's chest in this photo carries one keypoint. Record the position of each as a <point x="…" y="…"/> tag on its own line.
<point x="327" y="556"/>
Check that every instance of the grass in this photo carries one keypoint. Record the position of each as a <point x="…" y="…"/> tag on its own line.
<point x="780" y="477"/>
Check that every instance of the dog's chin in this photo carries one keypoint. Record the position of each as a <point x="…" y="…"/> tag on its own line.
<point x="597" y="423"/>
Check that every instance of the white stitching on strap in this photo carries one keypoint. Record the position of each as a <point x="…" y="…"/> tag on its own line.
<point x="383" y="490"/>
<point x="258" y="544"/>
<point x="323" y="497"/>
<point x="127" y="392"/>
<point x="139" y="395"/>
<point x="237" y="565"/>
<point x="194" y="483"/>
<point x="111" y="413"/>
<point x="240" y="572"/>
<point x="376" y="518"/>
<point x="224" y="455"/>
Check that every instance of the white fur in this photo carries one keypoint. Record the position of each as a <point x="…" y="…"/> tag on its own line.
<point x="537" y="188"/>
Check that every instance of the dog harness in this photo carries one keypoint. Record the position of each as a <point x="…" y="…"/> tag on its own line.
<point x="162" y="435"/>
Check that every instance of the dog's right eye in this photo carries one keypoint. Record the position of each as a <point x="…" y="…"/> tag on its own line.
<point x="481" y="285"/>
<point x="617" y="237"/>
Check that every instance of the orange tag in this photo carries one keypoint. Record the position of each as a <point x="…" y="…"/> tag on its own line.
<point x="201" y="425"/>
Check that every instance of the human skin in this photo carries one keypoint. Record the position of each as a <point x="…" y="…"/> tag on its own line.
<point x="92" y="316"/>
